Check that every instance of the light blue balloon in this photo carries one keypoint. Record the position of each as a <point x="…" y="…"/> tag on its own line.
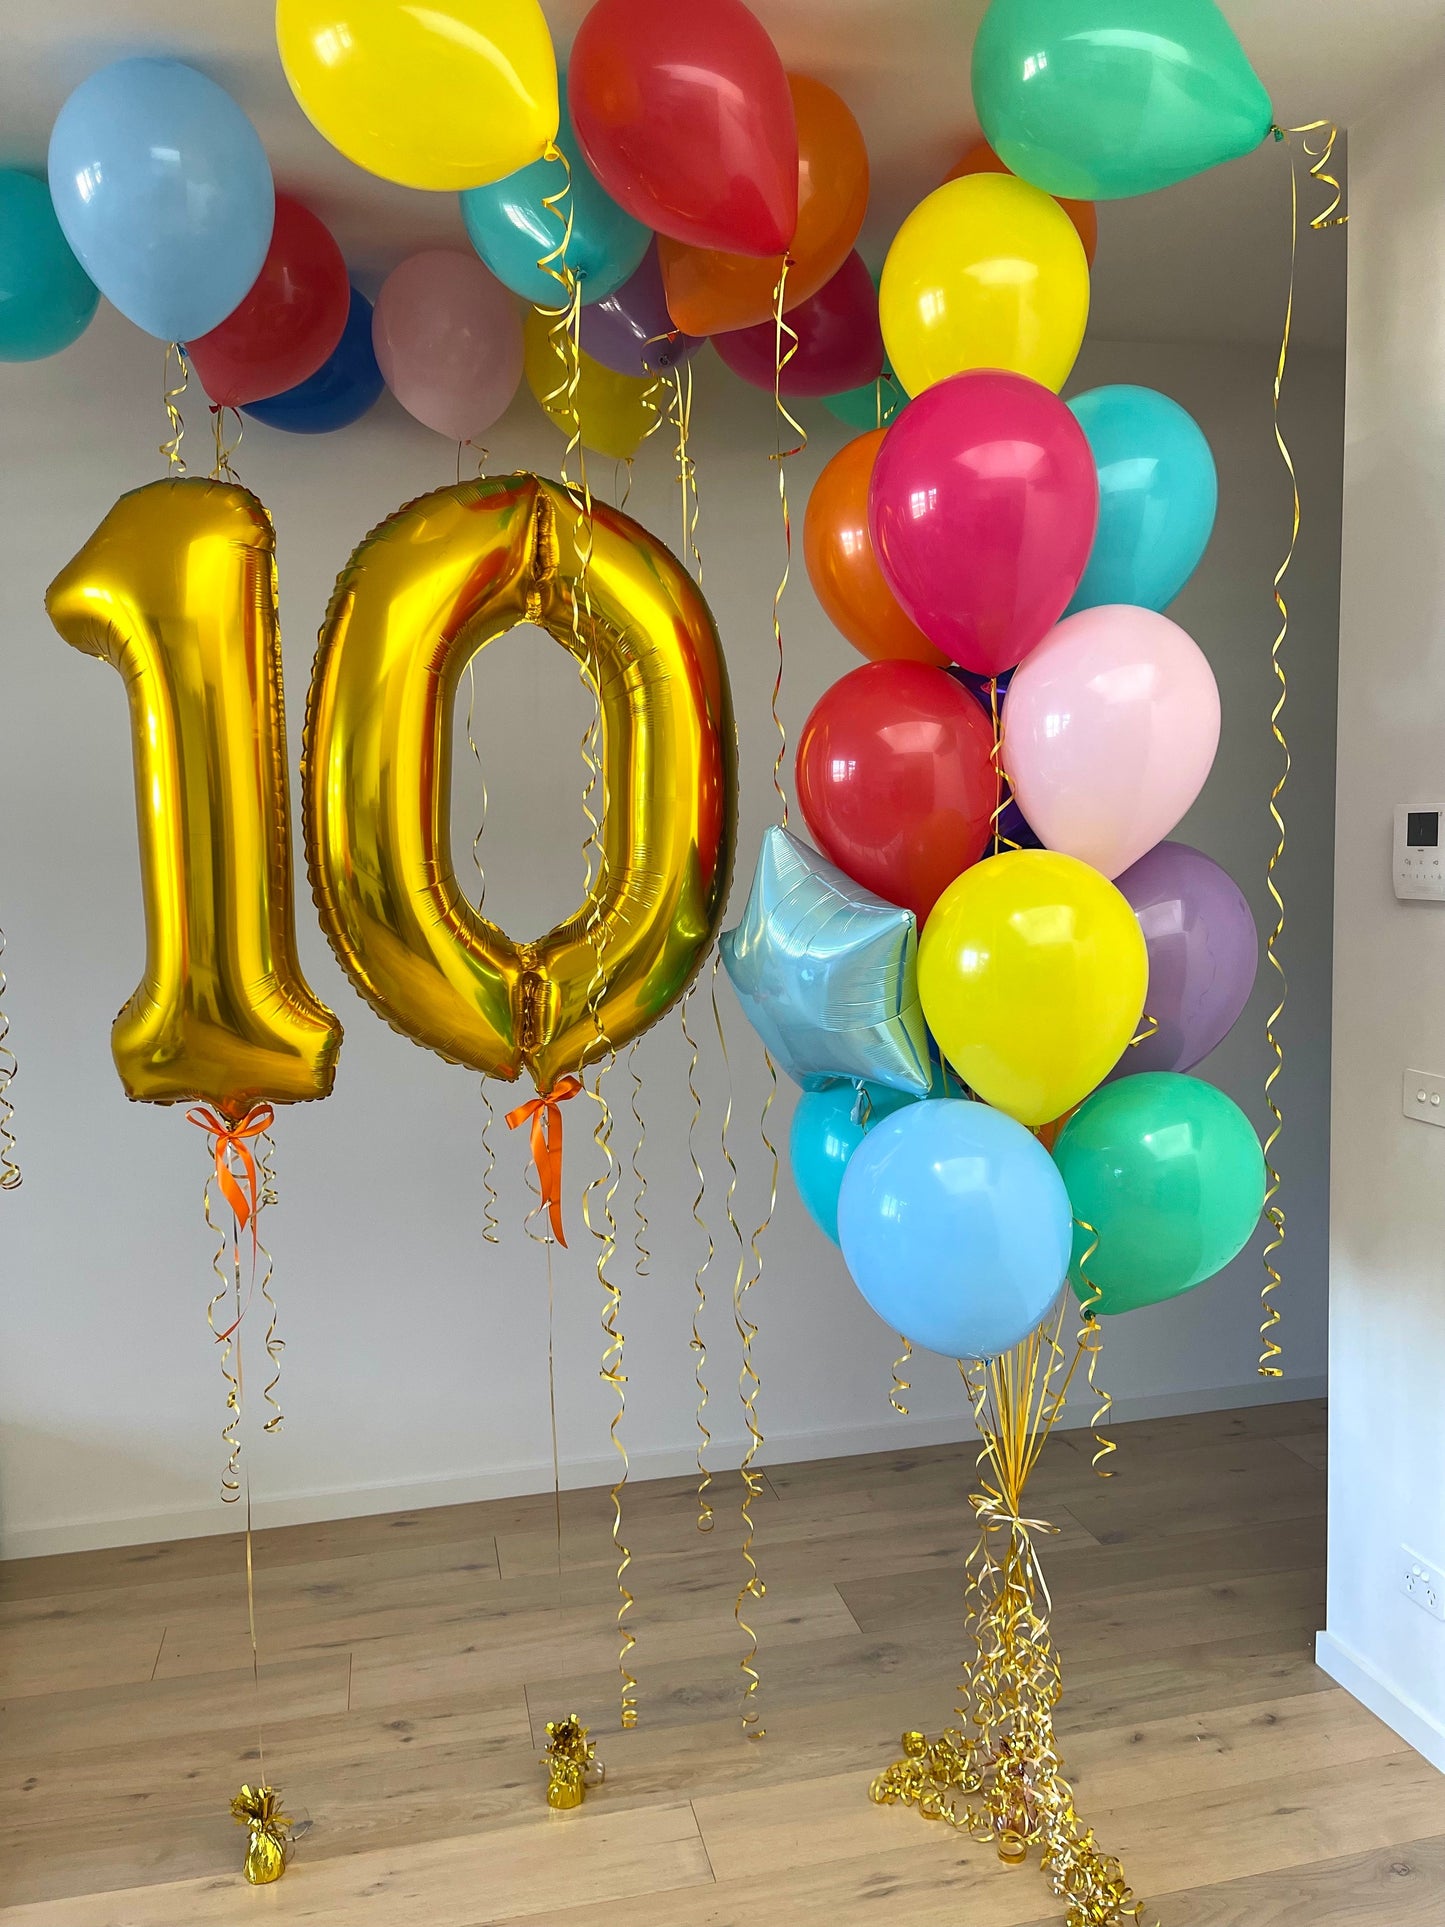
<point x="1158" y="492"/>
<point x="956" y="1227"/>
<point x="511" y="228"/>
<point x="164" y="192"/>
<point x="828" y="1126"/>
<point x="46" y="299"/>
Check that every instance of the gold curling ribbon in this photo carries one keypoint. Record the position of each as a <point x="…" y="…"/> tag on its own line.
<point x="781" y="456"/>
<point x="490" y="1221"/>
<point x="173" y="388"/>
<point x="224" y="469"/>
<point x="1091" y="1341"/>
<point x="1320" y="159"/>
<point x="900" y="1383"/>
<point x="1148" y="1027"/>
<point x="1002" y="788"/>
<point x="697" y="1343"/>
<point x="639" y="1177"/>
<point x="571" y="1762"/>
<point x="540" y="1214"/>
<point x="748" y="1386"/>
<point x="268" y="1846"/>
<point x="686" y="465"/>
<point x="997" y="1775"/>
<point x="9" y="1165"/>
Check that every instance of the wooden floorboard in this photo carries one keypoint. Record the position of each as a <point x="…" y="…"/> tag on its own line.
<point x="411" y="1663"/>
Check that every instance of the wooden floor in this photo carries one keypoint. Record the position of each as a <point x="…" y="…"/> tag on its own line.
<point x="413" y="1661"/>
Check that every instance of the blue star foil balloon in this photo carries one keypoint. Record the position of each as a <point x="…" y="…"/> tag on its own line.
<point x="826" y="973"/>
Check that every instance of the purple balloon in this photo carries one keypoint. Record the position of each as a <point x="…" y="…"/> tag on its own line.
<point x="1203" y="953"/>
<point x="631" y="332"/>
<point x="840" y="344"/>
<point x="1013" y="826"/>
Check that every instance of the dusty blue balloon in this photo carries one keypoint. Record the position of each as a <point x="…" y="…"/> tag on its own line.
<point x="956" y="1227"/>
<point x="343" y="388"/>
<point x="512" y="228"/>
<point x="46" y="298"/>
<point x="1158" y="492"/>
<point x="164" y="192"/>
<point x="828" y="1126"/>
<point x="827" y="973"/>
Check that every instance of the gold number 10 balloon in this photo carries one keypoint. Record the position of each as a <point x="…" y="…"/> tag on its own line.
<point x="177" y="590"/>
<point x="438" y="581"/>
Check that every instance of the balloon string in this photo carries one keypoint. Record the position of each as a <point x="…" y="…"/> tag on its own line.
<point x="1002" y="788"/>
<point x="266" y="1194"/>
<point x="698" y="1343"/>
<point x="490" y="1221"/>
<point x="639" y="1178"/>
<point x="224" y="469"/>
<point x="686" y="465"/>
<point x="781" y="456"/>
<point x="1091" y="1340"/>
<point x="900" y="1383"/>
<point x="539" y="1214"/>
<point x="9" y="1164"/>
<point x="173" y="388"/>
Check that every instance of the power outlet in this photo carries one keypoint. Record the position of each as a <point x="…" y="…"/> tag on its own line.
<point x="1424" y="1096"/>
<point x="1423" y="1583"/>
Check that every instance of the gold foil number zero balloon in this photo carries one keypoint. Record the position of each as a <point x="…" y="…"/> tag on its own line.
<point x="437" y="582"/>
<point x="177" y="590"/>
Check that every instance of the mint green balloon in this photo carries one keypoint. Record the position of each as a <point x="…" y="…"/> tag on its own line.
<point x="46" y="297"/>
<point x="1169" y="1172"/>
<point x="1098" y="99"/>
<point x="872" y="406"/>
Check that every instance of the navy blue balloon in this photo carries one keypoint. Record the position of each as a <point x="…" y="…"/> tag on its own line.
<point x="956" y="1226"/>
<point x="345" y="385"/>
<point x="1158" y="492"/>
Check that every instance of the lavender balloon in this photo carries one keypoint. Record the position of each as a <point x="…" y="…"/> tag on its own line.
<point x="1203" y="953"/>
<point x="631" y="332"/>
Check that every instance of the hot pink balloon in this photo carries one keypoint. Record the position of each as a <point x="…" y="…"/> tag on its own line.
<point x="448" y="340"/>
<point x="983" y="507"/>
<point x="840" y="344"/>
<point x="1109" y="731"/>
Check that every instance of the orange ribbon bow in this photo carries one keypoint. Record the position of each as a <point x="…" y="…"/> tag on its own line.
<point x="229" y="1144"/>
<point x="544" y="1114"/>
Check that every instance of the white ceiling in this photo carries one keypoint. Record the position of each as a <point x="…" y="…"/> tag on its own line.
<point x="1204" y="261"/>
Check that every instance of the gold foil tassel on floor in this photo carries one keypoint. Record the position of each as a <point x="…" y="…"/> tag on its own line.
<point x="268" y="1846"/>
<point x="571" y="1762"/>
<point x="997" y="1775"/>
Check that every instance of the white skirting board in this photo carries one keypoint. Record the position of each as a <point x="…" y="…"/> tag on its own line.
<point x="506" y="1482"/>
<point x="1387" y="1703"/>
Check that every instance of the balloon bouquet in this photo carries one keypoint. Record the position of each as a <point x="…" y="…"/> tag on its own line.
<point x="994" y="972"/>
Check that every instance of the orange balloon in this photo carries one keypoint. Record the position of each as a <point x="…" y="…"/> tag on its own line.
<point x="711" y="293"/>
<point x="843" y="569"/>
<point x="981" y="159"/>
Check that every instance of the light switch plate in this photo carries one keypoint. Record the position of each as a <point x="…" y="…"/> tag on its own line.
<point x="1424" y="1093"/>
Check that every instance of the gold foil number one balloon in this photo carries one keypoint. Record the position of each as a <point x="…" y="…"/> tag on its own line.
<point x="177" y="590"/>
<point x="442" y="578"/>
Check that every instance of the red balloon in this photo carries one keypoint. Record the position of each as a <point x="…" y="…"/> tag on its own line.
<point x="896" y="780"/>
<point x="685" y="117"/>
<point x="983" y="507"/>
<point x="840" y="344"/>
<point x="289" y="322"/>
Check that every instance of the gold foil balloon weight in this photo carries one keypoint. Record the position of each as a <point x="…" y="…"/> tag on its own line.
<point x="571" y="1762"/>
<point x="268" y="1844"/>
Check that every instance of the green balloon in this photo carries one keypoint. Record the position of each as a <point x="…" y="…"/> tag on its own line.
<point x="1169" y="1173"/>
<point x="46" y="298"/>
<point x="872" y="406"/>
<point x="1097" y="99"/>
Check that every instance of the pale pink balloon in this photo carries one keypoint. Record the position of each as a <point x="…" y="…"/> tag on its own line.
<point x="448" y="340"/>
<point x="1109" y="731"/>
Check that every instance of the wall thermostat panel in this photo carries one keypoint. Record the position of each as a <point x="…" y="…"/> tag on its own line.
<point x="1419" y="850"/>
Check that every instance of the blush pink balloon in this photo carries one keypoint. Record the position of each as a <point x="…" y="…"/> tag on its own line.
<point x="448" y="341"/>
<point x="983" y="507"/>
<point x="1109" y="731"/>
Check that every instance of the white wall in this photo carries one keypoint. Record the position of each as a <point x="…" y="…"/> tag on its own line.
<point x="1387" y="1224"/>
<point x="415" y="1368"/>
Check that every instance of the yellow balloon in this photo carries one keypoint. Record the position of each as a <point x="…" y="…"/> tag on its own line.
<point x="987" y="272"/>
<point x="1032" y="972"/>
<point x="452" y="94"/>
<point x="615" y="411"/>
<point x="177" y="590"/>
<point x="442" y="578"/>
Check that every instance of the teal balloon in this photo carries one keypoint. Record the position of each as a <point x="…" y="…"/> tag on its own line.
<point x="46" y="298"/>
<point x="1169" y="1173"/>
<point x="512" y="228"/>
<point x="1158" y="492"/>
<point x="872" y="406"/>
<point x="828" y="1126"/>
<point x="1098" y="99"/>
